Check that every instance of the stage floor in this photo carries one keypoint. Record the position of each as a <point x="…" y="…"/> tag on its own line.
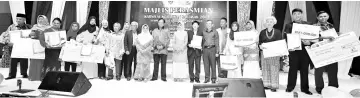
<point x="159" y="89"/>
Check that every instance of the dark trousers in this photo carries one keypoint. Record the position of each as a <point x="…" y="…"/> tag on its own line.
<point x="23" y="66"/>
<point x="221" y="73"/>
<point x="101" y="70"/>
<point x="332" y="71"/>
<point x="73" y="66"/>
<point x="191" y="59"/>
<point x="298" y="60"/>
<point x="130" y="59"/>
<point x="157" y="59"/>
<point x="209" y="63"/>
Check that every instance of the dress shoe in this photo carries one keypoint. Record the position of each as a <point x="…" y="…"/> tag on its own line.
<point x="213" y="82"/>
<point x="128" y="79"/>
<point x="319" y="92"/>
<point x="153" y="79"/>
<point x="197" y="80"/>
<point x="191" y="81"/>
<point x="273" y="90"/>
<point x="164" y="80"/>
<point x="25" y="76"/>
<point x="266" y="88"/>
<point x="207" y="81"/>
<point x="288" y="90"/>
<point x="8" y="78"/>
<point x="307" y="92"/>
<point x="109" y="78"/>
<point x="118" y="78"/>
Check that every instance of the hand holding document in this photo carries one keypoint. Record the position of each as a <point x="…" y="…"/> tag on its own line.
<point x="196" y="41"/>
<point x="329" y="33"/>
<point x="306" y="31"/>
<point x="73" y="53"/>
<point x="294" y="41"/>
<point x="244" y="38"/>
<point x="275" y="48"/>
<point x="344" y="47"/>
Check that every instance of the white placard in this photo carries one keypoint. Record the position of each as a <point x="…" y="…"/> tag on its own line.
<point x="86" y="50"/>
<point x="55" y="38"/>
<point x="228" y="62"/>
<point x="294" y="41"/>
<point x="72" y="53"/>
<point x="24" y="48"/>
<point x="15" y="36"/>
<point x="275" y="48"/>
<point x="196" y="41"/>
<point x="245" y="38"/>
<point x="306" y="31"/>
<point x="344" y="47"/>
<point x="25" y="33"/>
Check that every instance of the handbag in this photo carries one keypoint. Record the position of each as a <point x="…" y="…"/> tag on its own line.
<point x="228" y="62"/>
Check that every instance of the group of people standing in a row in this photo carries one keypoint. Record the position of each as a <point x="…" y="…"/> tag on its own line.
<point x="140" y="48"/>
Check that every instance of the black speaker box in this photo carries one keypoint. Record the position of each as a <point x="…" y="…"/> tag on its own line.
<point x="243" y="87"/>
<point x="65" y="83"/>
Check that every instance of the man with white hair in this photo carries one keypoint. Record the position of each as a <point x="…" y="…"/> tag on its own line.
<point x="130" y="48"/>
<point x="5" y="38"/>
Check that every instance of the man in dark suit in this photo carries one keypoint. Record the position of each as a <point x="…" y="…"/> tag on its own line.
<point x="130" y="49"/>
<point x="194" y="54"/>
<point x="298" y="59"/>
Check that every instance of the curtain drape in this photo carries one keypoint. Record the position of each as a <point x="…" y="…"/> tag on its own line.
<point x="349" y="21"/>
<point x="103" y="10"/>
<point x="298" y="4"/>
<point x="16" y="7"/>
<point x="243" y="13"/>
<point x="57" y="9"/>
<point x="117" y="10"/>
<point x="69" y="14"/>
<point x="264" y="9"/>
<point x="81" y="11"/>
<point x="41" y="8"/>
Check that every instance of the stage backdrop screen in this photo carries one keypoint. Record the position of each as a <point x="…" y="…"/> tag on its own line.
<point x="148" y="12"/>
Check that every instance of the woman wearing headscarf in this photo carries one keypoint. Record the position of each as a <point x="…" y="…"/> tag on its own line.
<point x="36" y="65"/>
<point x="143" y="44"/>
<point x="230" y="49"/>
<point x="270" y="66"/>
<point x="71" y="35"/>
<point x="180" y="54"/>
<point x="251" y="67"/>
<point x="102" y="39"/>
<point x="87" y="35"/>
<point x="115" y="48"/>
<point x="51" y="62"/>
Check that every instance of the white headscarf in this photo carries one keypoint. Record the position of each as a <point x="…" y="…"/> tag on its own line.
<point x="145" y="36"/>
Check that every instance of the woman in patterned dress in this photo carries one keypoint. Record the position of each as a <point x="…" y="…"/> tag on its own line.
<point x="231" y="49"/>
<point x="51" y="62"/>
<point x="87" y="35"/>
<point x="251" y="68"/>
<point x="270" y="66"/>
<point x="36" y="65"/>
<point x="144" y="56"/>
<point x="180" y="68"/>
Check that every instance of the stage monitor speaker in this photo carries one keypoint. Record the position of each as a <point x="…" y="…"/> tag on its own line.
<point x="65" y="83"/>
<point x="244" y="87"/>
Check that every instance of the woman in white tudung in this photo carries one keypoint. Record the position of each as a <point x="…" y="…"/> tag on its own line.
<point x="180" y="71"/>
